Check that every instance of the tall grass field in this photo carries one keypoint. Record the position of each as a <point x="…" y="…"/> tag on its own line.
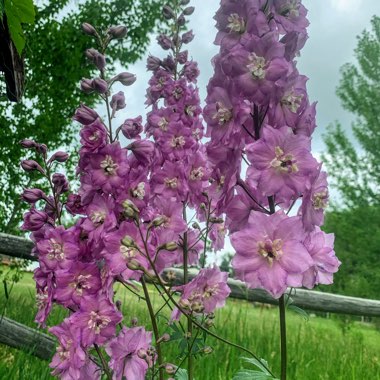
<point x="318" y="349"/>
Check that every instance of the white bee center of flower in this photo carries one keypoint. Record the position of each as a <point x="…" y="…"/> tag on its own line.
<point x="236" y="23"/>
<point x="97" y="322"/>
<point x="284" y="163"/>
<point x="256" y="66"/>
<point x="178" y="142"/>
<point x="139" y="191"/>
<point x="292" y="101"/>
<point x="98" y="217"/>
<point x="190" y="110"/>
<point x="222" y="114"/>
<point x="271" y="250"/>
<point x="128" y="252"/>
<point x="197" y="174"/>
<point x="80" y="283"/>
<point x="56" y="251"/>
<point x="320" y="200"/>
<point x="163" y="124"/>
<point x="109" y="166"/>
<point x="210" y="291"/>
<point x="171" y="182"/>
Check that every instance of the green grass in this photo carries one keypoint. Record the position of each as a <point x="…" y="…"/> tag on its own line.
<point x="320" y="349"/>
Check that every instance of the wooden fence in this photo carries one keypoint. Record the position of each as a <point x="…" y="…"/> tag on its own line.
<point x="19" y="336"/>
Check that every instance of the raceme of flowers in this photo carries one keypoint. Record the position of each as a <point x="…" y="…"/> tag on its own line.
<point x="258" y="111"/>
<point x="129" y="219"/>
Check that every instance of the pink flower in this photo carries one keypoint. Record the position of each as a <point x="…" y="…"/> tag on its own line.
<point x="128" y="352"/>
<point x="268" y="250"/>
<point x="321" y="248"/>
<point x="82" y="279"/>
<point x="93" y="137"/>
<point x="59" y="248"/>
<point x="96" y="319"/>
<point x="204" y="293"/>
<point x="284" y="162"/>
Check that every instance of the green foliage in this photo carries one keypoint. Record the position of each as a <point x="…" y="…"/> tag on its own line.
<point x="357" y="242"/>
<point x="54" y="66"/>
<point x="356" y="171"/>
<point x="320" y="349"/>
<point x="18" y="12"/>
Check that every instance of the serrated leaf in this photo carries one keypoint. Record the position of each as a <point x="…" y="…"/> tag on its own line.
<point x="181" y="375"/>
<point x="19" y="12"/>
<point x="299" y="311"/>
<point x="259" y="364"/>
<point x="247" y="374"/>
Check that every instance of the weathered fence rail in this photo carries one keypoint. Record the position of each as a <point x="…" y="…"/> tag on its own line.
<point x="19" y="336"/>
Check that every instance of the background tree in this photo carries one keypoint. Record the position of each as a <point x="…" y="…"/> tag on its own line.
<point x="353" y="163"/>
<point x="55" y="63"/>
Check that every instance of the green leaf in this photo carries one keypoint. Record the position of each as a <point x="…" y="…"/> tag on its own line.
<point x="1" y="9"/>
<point x="299" y="311"/>
<point x="259" y="364"/>
<point x="181" y="375"/>
<point x="19" y="12"/>
<point x="247" y="374"/>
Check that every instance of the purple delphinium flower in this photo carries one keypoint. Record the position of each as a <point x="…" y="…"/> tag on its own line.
<point x="284" y="162"/>
<point x="321" y="248"/>
<point x="96" y="319"/>
<point x="82" y="279"/>
<point x="128" y="352"/>
<point x="268" y="250"/>
<point x="204" y="293"/>
<point x="59" y="248"/>
<point x="315" y="200"/>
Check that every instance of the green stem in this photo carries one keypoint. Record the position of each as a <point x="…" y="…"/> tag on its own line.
<point x="283" y="337"/>
<point x="104" y="364"/>
<point x="190" y="361"/>
<point x="155" y="328"/>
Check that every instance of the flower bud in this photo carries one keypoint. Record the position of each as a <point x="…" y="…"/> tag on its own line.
<point x="196" y="226"/>
<point x="187" y="37"/>
<point x="188" y="11"/>
<point x="32" y="195"/>
<point x="28" y="144"/>
<point x="131" y="128"/>
<point x="141" y="353"/>
<point x="153" y="63"/>
<point x="142" y="149"/>
<point x="125" y="78"/>
<point x="88" y="29"/>
<point x="169" y="63"/>
<point x="164" y="338"/>
<point x="41" y="148"/>
<point x="128" y="241"/>
<point x="168" y="12"/>
<point x="184" y="303"/>
<point x="182" y="57"/>
<point x="118" y="305"/>
<point x="85" y="115"/>
<point x="34" y="220"/>
<point x="134" y="322"/>
<point x="181" y="21"/>
<point x="100" y="85"/>
<point x="59" y="157"/>
<point x="30" y="165"/>
<point x="60" y="182"/>
<point x="170" y="368"/>
<point x="207" y="350"/>
<point x="117" y="32"/>
<point x="118" y="101"/>
<point x="96" y="58"/>
<point x="164" y="41"/>
<point x="184" y="2"/>
<point x="86" y="86"/>
<point x="133" y="264"/>
<point x="171" y="246"/>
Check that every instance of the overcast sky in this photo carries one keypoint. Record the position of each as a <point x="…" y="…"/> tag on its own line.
<point x="334" y="25"/>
